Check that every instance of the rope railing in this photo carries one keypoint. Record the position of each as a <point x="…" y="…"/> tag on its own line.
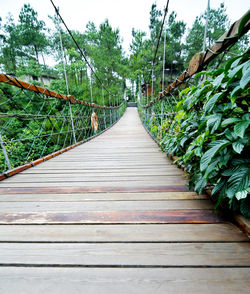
<point x="36" y="123"/>
<point x="40" y="90"/>
<point x="158" y="113"/>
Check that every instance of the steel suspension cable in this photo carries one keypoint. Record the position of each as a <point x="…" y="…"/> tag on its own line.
<point x="159" y="37"/>
<point x="78" y="47"/>
<point x="66" y="80"/>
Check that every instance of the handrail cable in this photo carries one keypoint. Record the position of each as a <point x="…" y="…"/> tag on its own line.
<point x="200" y="60"/>
<point x="80" y="50"/>
<point x="159" y="37"/>
<point x="157" y="45"/>
<point x="66" y="79"/>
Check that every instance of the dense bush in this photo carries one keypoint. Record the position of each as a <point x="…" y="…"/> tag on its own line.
<point x="210" y="134"/>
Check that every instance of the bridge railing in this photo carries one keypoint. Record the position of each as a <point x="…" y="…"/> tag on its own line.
<point x="37" y="124"/>
<point x="208" y="136"/>
<point x="157" y="113"/>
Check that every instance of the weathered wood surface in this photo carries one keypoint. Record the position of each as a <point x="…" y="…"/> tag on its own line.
<point x="63" y="280"/>
<point x="223" y="232"/>
<point x="114" y="216"/>
<point x="127" y="254"/>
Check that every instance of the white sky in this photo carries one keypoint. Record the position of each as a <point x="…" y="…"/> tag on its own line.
<point x="122" y="14"/>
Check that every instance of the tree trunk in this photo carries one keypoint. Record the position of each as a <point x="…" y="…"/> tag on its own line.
<point x="36" y="52"/>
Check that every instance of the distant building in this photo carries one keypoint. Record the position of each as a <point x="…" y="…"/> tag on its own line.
<point x="44" y="79"/>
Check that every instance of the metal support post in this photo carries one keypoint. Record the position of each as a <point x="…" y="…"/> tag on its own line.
<point x="104" y="113"/>
<point x="164" y="57"/>
<point x="67" y="85"/>
<point x="152" y="90"/>
<point x="5" y="152"/>
<point x="161" y="116"/>
<point x="205" y="33"/>
<point x="110" y="112"/>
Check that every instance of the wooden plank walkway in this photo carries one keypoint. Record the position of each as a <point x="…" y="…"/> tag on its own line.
<point x="114" y="216"/>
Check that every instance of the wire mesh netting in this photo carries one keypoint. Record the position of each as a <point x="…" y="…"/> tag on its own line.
<point x="33" y="125"/>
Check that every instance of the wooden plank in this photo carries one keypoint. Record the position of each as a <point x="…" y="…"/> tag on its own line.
<point x="92" y="178"/>
<point x="86" y="170"/>
<point x="92" y="189"/>
<point x="96" y="173"/>
<point x="122" y="233"/>
<point x="24" y="280"/>
<point x="17" y="207"/>
<point x="121" y="254"/>
<point x="103" y="197"/>
<point x="137" y="186"/>
<point x="112" y="217"/>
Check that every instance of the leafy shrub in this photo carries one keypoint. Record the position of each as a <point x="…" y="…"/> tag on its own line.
<point x="210" y="134"/>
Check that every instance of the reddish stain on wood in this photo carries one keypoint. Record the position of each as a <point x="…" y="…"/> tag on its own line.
<point x="69" y="190"/>
<point x="109" y="217"/>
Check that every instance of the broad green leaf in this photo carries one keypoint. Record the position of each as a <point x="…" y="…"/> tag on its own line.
<point x="210" y="104"/>
<point x="230" y="120"/>
<point x="241" y="194"/>
<point x="232" y="62"/>
<point x="183" y="140"/>
<point x="245" y="79"/>
<point x="200" y="185"/>
<point x="245" y="207"/>
<point x="198" y="151"/>
<point x="221" y="183"/>
<point x="218" y="80"/>
<point x="201" y="73"/>
<point x="228" y="172"/>
<point x="235" y="71"/>
<point x="224" y="158"/>
<point x="244" y="20"/>
<point x="210" y="168"/>
<point x="235" y="91"/>
<point x="209" y="154"/>
<point x="239" y="181"/>
<point x="246" y="116"/>
<point x="238" y="147"/>
<point x="240" y="128"/>
<point x="230" y="135"/>
<point x="214" y="122"/>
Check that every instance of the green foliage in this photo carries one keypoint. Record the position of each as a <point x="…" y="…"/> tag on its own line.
<point x="210" y="134"/>
<point x="217" y="24"/>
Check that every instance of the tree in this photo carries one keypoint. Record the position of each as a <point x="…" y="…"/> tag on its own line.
<point x="217" y="24"/>
<point x="107" y="57"/>
<point x="10" y="49"/>
<point x="31" y="31"/>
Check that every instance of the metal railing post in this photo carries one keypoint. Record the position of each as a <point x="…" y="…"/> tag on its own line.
<point x="5" y="152"/>
<point x="67" y="85"/>
<point x="104" y="113"/>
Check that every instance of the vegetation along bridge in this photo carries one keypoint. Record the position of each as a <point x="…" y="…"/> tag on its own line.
<point x="89" y="203"/>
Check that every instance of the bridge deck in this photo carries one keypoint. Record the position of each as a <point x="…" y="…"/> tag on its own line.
<point x="114" y="216"/>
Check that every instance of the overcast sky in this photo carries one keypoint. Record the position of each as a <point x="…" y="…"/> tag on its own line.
<point x="122" y="14"/>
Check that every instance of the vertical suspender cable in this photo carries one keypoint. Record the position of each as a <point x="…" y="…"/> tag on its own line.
<point x="67" y="85"/>
<point x="163" y="73"/>
<point x="152" y="87"/>
<point x="205" y="33"/>
<point x="5" y="152"/>
<point x="164" y="57"/>
<point x="110" y="114"/>
<point x="90" y="84"/>
<point x="104" y="113"/>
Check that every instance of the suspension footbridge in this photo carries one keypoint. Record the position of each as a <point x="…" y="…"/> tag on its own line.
<point x="93" y="205"/>
<point x="114" y="213"/>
